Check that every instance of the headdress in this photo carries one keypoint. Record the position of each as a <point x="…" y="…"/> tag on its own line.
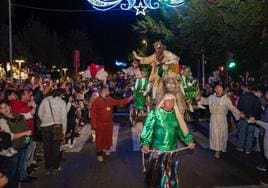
<point x="159" y="44"/>
<point x="179" y="116"/>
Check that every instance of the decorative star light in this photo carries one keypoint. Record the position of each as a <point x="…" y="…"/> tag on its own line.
<point x="105" y="5"/>
<point x="140" y="9"/>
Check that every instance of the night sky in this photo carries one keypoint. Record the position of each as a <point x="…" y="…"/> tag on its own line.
<point x="110" y="32"/>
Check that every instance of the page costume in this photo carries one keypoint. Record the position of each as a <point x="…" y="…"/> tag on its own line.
<point x="161" y="131"/>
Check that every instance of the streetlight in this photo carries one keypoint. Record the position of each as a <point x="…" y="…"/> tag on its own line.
<point x="145" y="42"/>
<point x="64" y="71"/>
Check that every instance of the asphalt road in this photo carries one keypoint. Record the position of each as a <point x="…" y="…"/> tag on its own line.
<point x="124" y="168"/>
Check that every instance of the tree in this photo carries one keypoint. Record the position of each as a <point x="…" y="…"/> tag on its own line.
<point x="213" y="28"/>
<point x="19" y="49"/>
<point x="3" y="12"/>
<point x="79" y="40"/>
<point x="44" y="44"/>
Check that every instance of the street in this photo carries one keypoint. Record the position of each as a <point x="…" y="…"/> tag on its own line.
<point x="124" y="167"/>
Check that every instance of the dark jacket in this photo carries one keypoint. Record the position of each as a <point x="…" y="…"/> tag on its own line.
<point x="249" y="104"/>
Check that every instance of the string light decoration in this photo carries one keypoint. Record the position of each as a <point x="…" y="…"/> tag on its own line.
<point x="140" y="7"/>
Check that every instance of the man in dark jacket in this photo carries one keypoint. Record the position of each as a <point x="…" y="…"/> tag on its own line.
<point x="248" y="104"/>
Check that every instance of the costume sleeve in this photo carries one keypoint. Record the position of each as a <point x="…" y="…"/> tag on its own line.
<point x="233" y="109"/>
<point x="262" y="124"/>
<point x="148" y="60"/>
<point x="147" y="132"/>
<point x="118" y="102"/>
<point x="204" y="101"/>
<point x="185" y="138"/>
<point x="173" y="59"/>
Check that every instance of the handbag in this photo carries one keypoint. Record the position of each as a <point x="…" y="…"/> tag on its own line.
<point x="57" y="127"/>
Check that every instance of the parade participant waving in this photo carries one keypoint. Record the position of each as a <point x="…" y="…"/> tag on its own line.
<point x="162" y="62"/>
<point x="219" y="105"/>
<point x="162" y="129"/>
<point x="101" y="113"/>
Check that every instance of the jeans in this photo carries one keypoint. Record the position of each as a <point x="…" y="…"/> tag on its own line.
<point x="22" y="165"/>
<point x="51" y="148"/>
<point x="30" y="153"/>
<point x="246" y="135"/>
<point x="9" y="165"/>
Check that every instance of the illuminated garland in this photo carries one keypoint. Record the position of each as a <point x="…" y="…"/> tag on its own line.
<point x="104" y="5"/>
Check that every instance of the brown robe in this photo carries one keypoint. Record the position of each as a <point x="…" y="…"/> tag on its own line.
<point x="101" y="113"/>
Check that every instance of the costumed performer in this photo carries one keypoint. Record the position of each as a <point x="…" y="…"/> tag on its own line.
<point x="189" y="87"/>
<point x="101" y="113"/>
<point x="163" y="127"/>
<point x="141" y="90"/>
<point x="219" y="105"/>
<point x="162" y="62"/>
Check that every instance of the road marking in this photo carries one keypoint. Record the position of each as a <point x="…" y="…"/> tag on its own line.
<point x="201" y="139"/>
<point x="81" y="140"/>
<point x="115" y="136"/>
<point x="135" y="133"/>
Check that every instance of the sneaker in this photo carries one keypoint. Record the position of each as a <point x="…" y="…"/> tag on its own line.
<point x="30" y="171"/>
<point x="257" y="149"/>
<point x="34" y="166"/>
<point x="239" y="149"/>
<point x="57" y="170"/>
<point x="262" y="168"/>
<point x="99" y="158"/>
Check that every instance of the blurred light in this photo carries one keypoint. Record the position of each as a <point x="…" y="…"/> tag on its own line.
<point x="120" y="64"/>
<point x="231" y="63"/>
<point x="221" y="68"/>
<point x="8" y="67"/>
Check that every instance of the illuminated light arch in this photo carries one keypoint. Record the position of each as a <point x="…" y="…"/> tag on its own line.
<point x="141" y="6"/>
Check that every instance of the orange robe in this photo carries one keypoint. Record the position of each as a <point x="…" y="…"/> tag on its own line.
<point x="101" y="113"/>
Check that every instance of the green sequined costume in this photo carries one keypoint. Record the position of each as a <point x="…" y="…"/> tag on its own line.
<point x="141" y="87"/>
<point x="161" y="132"/>
<point x="190" y="91"/>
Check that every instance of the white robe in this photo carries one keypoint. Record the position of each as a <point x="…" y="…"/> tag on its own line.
<point x="218" y="107"/>
<point x="265" y="143"/>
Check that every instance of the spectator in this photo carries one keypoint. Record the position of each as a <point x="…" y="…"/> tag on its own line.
<point x="248" y="104"/>
<point x="52" y="111"/>
<point x="263" y="164"/>
<point x="17" y="126"/>
<point x="27" y="107"/>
